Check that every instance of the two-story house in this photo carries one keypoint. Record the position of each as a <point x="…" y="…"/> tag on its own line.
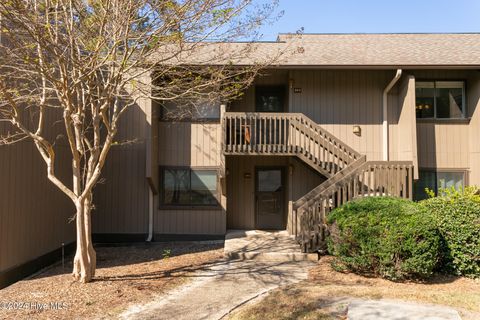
<point x="348" y="115"/>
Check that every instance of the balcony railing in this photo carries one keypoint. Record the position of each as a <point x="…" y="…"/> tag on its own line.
<point x="285" y="134"/>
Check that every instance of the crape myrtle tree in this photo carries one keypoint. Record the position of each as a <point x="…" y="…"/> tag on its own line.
<point x="83" y="63"/>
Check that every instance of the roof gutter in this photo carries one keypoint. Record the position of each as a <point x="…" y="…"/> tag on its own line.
<point x="385" y="114"/>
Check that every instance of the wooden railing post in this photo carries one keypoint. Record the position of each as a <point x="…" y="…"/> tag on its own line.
<point x="223" y="125"/>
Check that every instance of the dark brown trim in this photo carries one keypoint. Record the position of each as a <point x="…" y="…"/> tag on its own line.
<point x="102" y="238"/>
<point x="161" y="237"/>
<point x="23" y="270"/>
<point x="189" y="207"/>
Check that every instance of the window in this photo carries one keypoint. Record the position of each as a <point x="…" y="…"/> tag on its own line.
<point x="269" y="98"/>
<point x="189" y="187"/>
<point x="440" y="99"/>
<point x="197" y="112"/>
<point x="437" y="180"/>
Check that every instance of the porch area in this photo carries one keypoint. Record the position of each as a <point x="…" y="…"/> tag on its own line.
<point x="263" y="245"/>
<point x="270" y="159"/>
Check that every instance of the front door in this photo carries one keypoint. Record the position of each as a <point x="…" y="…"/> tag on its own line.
<point x="270" y="198"/>
<point x="270" y="98"/>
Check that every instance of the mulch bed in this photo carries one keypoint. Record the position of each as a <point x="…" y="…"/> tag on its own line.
<point x="125" y="275"/>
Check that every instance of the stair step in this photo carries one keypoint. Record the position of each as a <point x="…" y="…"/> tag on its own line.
<point x="264" y="246"/>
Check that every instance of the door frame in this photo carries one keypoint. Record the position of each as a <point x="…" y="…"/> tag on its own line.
<point x="283" y="170"/>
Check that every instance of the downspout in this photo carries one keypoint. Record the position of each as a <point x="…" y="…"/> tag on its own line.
<point x="150" y="214"/>
<point x="385" y="114"/>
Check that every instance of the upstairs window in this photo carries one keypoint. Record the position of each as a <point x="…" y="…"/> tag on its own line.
<point x="440" y="99"/>
<point x="198" y="112"/>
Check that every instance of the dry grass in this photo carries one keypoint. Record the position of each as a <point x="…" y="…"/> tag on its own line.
<point x="326" y="295"/>
<point x="125" y="275"/>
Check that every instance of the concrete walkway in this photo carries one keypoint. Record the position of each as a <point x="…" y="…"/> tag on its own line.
<point x="264" y="246"/>
<point x="220" y="288"/>
<point x="398" y="310"/>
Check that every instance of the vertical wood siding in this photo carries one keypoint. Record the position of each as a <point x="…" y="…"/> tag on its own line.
<point x="340" y="99"/>
<point x="34" y="214"/>
<point x="473" y="92"/>
<point x="402" y="124"/>
<point x="121" y="199"/>
<point x="190" y="144"/>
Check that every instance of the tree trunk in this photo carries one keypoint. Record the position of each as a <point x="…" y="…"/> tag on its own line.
<point x="92" y="255"/>
<point x="84" y="262"/>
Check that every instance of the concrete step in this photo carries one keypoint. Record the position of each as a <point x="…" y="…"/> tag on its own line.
<point x="264" y="246"/>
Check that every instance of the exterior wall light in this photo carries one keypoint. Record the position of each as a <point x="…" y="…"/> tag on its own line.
<point x="357" y="130"/>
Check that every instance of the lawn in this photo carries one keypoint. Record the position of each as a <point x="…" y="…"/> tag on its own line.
<point x="327" y="292"/>
<point x="125" y="275"/>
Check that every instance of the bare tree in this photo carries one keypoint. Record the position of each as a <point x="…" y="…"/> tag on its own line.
<point x="83" y="63"/>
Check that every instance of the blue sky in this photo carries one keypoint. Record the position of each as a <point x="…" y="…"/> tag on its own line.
<point x="376" y="16"/>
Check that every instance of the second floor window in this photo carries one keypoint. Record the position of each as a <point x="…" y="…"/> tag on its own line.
<point x="440" y="99"/>
<point x="197" y="112"/>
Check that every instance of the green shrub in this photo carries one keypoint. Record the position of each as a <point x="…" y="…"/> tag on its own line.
<point x="457" y="217"/>
<point x="388" y="237"/>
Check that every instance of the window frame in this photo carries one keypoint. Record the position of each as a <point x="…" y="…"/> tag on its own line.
<point x="465" y="171"/>
<point x="464" y="117"/>
<point x="167" y="206"/>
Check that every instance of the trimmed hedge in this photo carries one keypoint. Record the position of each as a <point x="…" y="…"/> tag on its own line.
<point x="456" y="214"/>
<point x="388" y="237"/>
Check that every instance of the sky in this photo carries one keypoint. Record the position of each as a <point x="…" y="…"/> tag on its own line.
<point x="375" y="16"/>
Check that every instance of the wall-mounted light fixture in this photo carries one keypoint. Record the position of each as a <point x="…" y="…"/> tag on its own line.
<point x="247" y="175"/>
<point x="291" y="82"/>
<point x="357" y="130"/>
<point x="290" y="169"/>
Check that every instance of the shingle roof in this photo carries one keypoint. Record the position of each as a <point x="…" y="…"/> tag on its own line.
<point x="354" y="50"/>
<point x="386" y="49"/>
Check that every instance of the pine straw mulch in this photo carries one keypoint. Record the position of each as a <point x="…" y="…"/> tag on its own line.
<point x="125" y="275"/>
<point x="326" y="294"/>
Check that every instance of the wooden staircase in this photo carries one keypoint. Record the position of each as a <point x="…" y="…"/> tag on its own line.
<point x="349" y="175"/>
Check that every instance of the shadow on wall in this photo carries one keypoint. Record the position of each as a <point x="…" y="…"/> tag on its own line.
<point x="121" y="198"/>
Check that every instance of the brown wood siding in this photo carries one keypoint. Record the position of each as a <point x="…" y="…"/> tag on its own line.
<point x="121" y="199"/>
<point x="190" y="144"/>
<point x="339" y="99"/>
<point x="34" y="214"/>
<point x="241" y="190"/>
<point x="443" y="145"/>
<point x="402" y="124"/>
<point x="208" y="222"/>
<point x="302" y="180"/>
<point x="473" y="94"/>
